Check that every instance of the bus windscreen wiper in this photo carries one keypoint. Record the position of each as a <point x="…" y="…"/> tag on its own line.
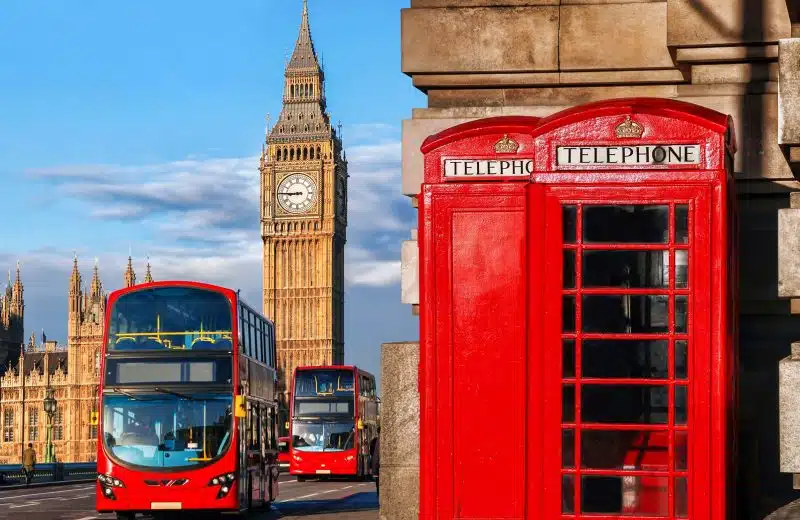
<point x="177" y="394"/>
<point x="126" y="394"/>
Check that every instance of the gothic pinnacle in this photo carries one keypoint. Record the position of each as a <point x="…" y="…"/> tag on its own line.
<point x="148" y="278"/>
<point x="304" y="56"/>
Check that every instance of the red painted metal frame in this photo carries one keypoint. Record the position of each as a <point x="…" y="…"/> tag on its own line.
<point x="697" y="333"/>
<point x="707" y="188"/>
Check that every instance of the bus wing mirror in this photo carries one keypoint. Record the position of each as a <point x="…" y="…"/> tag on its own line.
<point x="241" y="410"/>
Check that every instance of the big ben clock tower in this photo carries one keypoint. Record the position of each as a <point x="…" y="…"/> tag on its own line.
<point x="304" y="219"/>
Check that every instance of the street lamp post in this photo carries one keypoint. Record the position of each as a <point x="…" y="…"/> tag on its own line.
<point x="50" y="409"/>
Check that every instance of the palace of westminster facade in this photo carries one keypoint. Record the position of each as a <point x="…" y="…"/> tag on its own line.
<point x="303" y="219"/>
<point x="72" y="372"/>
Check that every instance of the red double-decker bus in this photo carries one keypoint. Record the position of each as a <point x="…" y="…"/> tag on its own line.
<point x="334" y="422"/>
<point x="188" y="402"/>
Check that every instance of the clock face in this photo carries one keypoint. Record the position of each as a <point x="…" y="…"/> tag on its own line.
<point x="297" y="193"/>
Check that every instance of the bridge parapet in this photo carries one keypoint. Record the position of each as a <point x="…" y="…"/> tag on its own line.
<point x="11" y="474"/>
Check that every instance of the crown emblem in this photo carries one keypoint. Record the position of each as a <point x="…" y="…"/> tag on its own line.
<point x="506" y="145"/>
<point x="629" y="128"/>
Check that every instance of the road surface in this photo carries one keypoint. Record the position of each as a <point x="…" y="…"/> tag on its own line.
<point x="325" y="500"/>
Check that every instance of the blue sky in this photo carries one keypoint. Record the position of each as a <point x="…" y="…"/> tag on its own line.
<point x="137" y="125"/>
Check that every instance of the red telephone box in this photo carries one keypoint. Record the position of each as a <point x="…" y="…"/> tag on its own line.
<point x="578" y="315"/>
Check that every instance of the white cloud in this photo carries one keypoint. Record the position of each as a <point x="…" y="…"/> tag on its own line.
<point x="203" y="214"/>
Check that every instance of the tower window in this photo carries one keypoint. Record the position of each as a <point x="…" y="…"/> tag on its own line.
<point x="33" y="424"/>
<point x="291" y="155"/>
<point x="312" y="152"/>
<point x="8" y="426"/>
<point x="305" y="152"/>
<point x="58" y="425"/>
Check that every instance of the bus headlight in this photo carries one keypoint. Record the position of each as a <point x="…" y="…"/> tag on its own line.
<point x="107" y="483"/>
<point x="224" y="481"/>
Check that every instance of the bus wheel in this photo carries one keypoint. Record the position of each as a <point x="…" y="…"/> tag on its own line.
<point x="302" y="478"/>
<point x="126" y="516"/>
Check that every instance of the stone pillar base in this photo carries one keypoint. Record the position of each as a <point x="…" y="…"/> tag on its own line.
<point x="399" y="473"/>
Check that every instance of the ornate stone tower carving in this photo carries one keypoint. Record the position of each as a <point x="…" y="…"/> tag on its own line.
<point x="304" y="218"/>
<point x="12" y="317"/>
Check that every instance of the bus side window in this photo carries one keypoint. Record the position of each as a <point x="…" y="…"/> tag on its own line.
<point x="273" y="429"/>
<point x="249" y="350"/>
<point x="254" y="441"/>
<point x="241" y="328"/>
<point x="257" y="334"/>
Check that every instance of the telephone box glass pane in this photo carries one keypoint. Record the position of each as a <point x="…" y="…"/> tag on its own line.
<point x="568" y="358"/>
<point x="681" y="497"/>
<point x="625" y="449"/>
<point x="681" y="269"/>
<point x="625" y="495"/>
<point x="681" y="404"/>
<point x="568" y="403"/>
<point x="681" y="359"/>
<point x="625" y="358"/>
<point x="629" y="224"/>
<point x="624" y="404"/>
<point x="681" y="313"/>
<point x="569" y="269"/>
<point x="637" y="269"/>
<point x="682" y="224"/>
<point x="568" y="448"/>
<point x="568" y="494"/>
<point x="681" y="450"/>
<point x="569" y="219"/>
<point x="616" y="313"/>
<point x="568" y="314"/>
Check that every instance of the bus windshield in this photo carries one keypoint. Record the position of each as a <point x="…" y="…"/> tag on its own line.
<point x="166" y="429"/>
<point x="313" y="383"/>
<point x="323" y="436"/>
<point x="171" y="318"/>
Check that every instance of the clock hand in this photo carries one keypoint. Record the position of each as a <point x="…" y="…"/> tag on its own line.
<point x="290" y="193"/>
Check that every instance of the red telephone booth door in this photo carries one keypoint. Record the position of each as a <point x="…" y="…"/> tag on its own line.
<point x="627" y="322"/>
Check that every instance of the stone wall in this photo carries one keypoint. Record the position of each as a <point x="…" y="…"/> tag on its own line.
<point x="399" y="473"/>
<point x="481" y="58"/>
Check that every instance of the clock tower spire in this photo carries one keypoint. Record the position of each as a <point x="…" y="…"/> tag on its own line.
<point x="304" y="219"/>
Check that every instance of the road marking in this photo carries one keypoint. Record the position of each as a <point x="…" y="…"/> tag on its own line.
<point x="86" y="518"/>
<point x="316" y="494"/>
<point x="71" y="490"/>
<point x="27" y="504"/>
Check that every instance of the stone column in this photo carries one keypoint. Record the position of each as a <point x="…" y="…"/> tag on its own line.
<point x="399" y="473"/>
